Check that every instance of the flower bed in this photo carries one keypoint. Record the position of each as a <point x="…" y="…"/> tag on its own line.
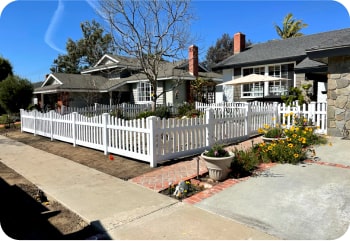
<point x="186" y="188"/>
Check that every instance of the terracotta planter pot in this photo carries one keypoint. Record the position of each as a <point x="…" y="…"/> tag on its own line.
<point x="218" y="167"/>
<point x="269" y="139"/>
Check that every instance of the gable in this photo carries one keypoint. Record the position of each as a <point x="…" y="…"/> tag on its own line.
<point x="106" y="60"/>
<point x="51" y="80"/>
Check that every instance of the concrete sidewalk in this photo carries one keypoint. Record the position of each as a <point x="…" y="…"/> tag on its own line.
<point x="121" y="209"/>
<point x="305" y="201"/>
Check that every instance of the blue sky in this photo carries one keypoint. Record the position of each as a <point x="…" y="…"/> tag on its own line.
<point x="33" y="33"/>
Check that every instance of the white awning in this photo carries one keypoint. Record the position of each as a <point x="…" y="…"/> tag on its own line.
<point x="252" y="78"/>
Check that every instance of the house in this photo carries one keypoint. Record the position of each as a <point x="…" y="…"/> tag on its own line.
<point x="321" y="61"/>
<point x="117" y="79"/>
<point x="335" y="52"/>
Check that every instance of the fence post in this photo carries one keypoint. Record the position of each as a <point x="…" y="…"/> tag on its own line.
<point x="105" y="132"/>
<point x="21" y="113"/>
<point x="276" y="113"/>
<point x="152" y="140"/>
<point x="247" y="122"/>
<point x="51" y="124"/>
<point x="35" y="111"/>
<point x="209" y="121"/>
<point x="74" y="131"/>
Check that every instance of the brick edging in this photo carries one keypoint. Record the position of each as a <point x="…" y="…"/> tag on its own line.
<point x="327" y="164"/>
<point x="223" y="185"/>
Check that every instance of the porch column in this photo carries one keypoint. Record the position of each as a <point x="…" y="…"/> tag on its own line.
<point x="266" y="89"/>
<point x="110" y="98"/>
<point x="42" y="101"/>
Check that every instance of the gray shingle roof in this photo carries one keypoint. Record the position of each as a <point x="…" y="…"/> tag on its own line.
<point x="75" y="82"/>
<point x="339" y="38"/>
<point x="285" y="50"/>
<point x="308" y="63"/>
<point x="93" y="82"/>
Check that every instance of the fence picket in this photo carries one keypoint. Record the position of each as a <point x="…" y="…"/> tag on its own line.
<point x="154" y="139"/>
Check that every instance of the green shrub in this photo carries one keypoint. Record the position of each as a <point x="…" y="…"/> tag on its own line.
<point x="244" y="162"/>
<point x="145" y="114"/>
<point x="118" y="113"/>
<point x="3" y="119"/>
<point x="188" y="110"/>
<point x="183" y="109"/>
<point x="162" y="112"/>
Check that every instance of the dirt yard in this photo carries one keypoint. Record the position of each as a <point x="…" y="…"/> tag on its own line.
<point x="120" y="167"/>
<point x="23" y="215"/>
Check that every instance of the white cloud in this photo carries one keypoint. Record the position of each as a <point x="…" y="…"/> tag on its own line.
<point x="49" y="35"/>
<point x="3" y="4"/>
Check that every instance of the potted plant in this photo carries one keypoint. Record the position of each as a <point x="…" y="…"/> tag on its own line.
<point x="272" y="133"/>
<point x="218" y="161"/>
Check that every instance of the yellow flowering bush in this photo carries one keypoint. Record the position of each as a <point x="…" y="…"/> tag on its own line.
<point x="302" y="121"/>
<point x="293" y="148"/>
<point x="272" y="131"/>
<point x="304" y="136"/>
<point x="281" y="151"/>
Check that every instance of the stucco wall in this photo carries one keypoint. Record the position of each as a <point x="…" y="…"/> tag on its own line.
<point x="338" y="95"/>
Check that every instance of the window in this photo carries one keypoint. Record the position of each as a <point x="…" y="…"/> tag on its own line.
<point x="144" y="90"/>
<point x="279" y="87"/>
<point x="275" y="88"/>
<point x="253" y="89"/>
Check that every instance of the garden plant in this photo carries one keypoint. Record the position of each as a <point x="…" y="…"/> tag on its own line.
<point x="293" y="149"/>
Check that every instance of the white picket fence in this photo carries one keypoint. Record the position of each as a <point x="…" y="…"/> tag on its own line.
<point x="153" y="139"/>
<point x="314" y="111"/>
<point x="126" y="110"/>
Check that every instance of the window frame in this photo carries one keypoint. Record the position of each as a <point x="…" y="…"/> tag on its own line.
<point x="144" y="92"/>
<point x="277" y="88"/>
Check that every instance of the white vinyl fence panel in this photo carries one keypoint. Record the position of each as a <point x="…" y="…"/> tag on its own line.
<point x="154" y="140"/>
<point x="315" y="111"/>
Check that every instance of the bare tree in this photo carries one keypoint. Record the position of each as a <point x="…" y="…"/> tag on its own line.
<point x="152" y="31"/>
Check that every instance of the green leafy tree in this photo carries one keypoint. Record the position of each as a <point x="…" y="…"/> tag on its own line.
<point x="85" y="52"/>
<point x="15" y="93"/>
<point x="149" y="31"/>
<point x="222" y="49"/>
<point x="5" y="69"/>
<point x="290" y="27"/>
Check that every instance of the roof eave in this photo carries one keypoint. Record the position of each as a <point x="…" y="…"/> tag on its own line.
<point x="322" y="54"/>
<point x="320" y="69"/>
<point x="262" y="62"/>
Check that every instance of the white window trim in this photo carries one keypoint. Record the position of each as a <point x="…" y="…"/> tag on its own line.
<point x="138" y="93"/>
<point x="266" y="84"/>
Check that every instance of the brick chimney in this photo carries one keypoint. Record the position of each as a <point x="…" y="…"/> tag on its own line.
<point x="193" y="60"/>
<point x="238" y="43"/>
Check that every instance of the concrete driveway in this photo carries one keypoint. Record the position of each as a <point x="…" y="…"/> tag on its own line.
<point x="306" y="201"/>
